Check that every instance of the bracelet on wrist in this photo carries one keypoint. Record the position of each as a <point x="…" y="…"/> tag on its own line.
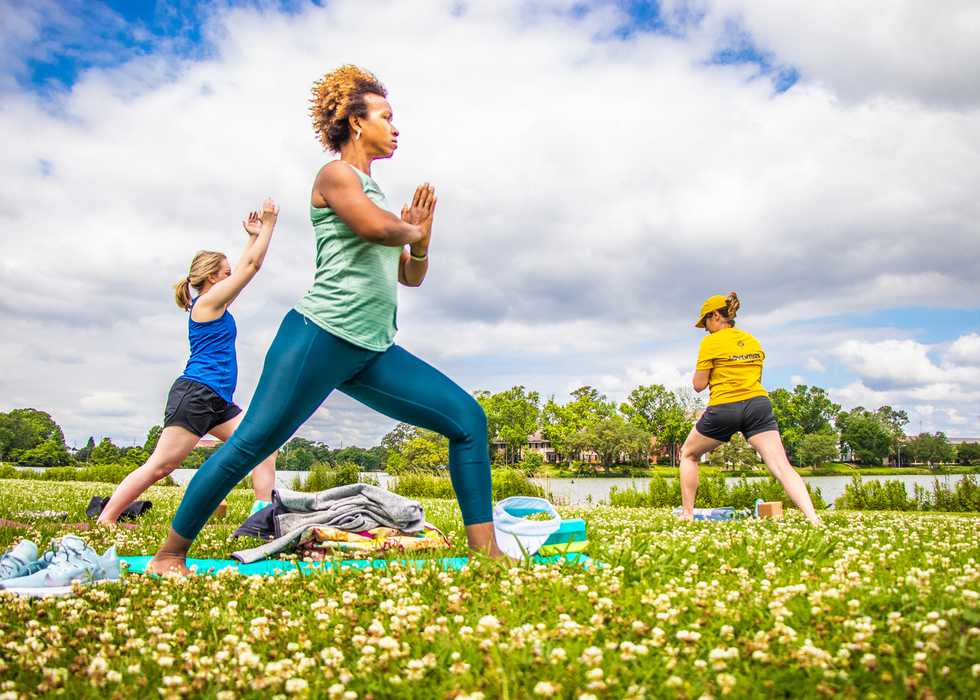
<point x="418" y="258"/>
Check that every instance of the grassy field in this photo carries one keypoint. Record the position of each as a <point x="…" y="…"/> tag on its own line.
<point x="871" y="605"/>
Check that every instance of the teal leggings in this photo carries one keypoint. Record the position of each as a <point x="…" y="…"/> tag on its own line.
<point x="304" y="364"/>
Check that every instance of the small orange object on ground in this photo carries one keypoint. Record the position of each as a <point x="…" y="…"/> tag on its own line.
<point x="771" y="509"/>
<point x="222" y="508"/>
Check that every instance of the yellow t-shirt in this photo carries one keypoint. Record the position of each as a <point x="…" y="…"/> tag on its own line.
<point x="735" y="360"/>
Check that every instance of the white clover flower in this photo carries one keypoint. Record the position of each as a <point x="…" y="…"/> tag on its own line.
<point x="296" y="686"/>
<point x="545" y="689"/>
<point x="726" y="682"/>
<point x="488" y="623"/>
<point x="592" y="656"/>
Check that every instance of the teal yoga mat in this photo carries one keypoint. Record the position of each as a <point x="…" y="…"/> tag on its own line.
<point x="273" y="567"/>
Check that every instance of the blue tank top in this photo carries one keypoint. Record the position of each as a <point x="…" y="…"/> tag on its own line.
<point x="213" y="361"/>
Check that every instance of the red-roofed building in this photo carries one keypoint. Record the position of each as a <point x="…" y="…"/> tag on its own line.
<point x="208" y="442"/>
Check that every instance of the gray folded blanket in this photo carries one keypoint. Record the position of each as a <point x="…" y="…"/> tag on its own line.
<point x="353" y="507"/>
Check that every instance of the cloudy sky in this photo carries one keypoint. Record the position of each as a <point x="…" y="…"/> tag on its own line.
<point x="601" y="168"/>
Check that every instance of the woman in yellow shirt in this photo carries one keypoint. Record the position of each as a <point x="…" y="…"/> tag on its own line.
<point x="730" y="362"/>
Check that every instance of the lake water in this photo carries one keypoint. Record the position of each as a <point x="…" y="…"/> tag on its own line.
<point x="590" y="490"/>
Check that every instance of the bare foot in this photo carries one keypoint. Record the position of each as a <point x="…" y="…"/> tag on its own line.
<point x="167" y="564"/>
<point x="689" y="517"/>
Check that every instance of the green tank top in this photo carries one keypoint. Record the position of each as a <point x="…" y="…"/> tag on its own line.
<point x="355" y="287"/>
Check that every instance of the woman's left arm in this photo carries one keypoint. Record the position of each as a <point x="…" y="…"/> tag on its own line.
<point x="702" y="378"/>
<point x="414" y="262"/>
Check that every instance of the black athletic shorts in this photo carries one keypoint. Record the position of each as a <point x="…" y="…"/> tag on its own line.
<point x="749" y="417"/>
<point x="197" y="407"/>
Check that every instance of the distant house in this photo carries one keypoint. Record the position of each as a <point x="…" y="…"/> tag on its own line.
<point x="208" y="442"/>
<point x="537" y="442"/>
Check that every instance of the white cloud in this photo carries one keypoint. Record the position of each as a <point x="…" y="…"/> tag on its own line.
<point x="901" y="373"/>
<point x="861" y="50"/>
<point x="891" y="363"/>
<point x="591" y="194"/>
<point x="815" y="365"/>
<point x="965" y="350"/>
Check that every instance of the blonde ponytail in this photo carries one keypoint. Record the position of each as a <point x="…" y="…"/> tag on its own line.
<point x="182" y="293"/>
<point x="732" y="305"/>
<point x="204" y="264"/>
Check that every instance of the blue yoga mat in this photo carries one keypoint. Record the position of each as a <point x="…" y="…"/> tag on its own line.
<point x="273" y="567"/>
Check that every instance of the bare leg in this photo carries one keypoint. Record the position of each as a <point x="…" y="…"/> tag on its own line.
<point x="172" y="557"/>
<point x="264" y="474"/>
<point x="694" y="447"/>
<point x="770" y="446"/>
<point x="174" y="445"/>
<point x="480" y="538"/>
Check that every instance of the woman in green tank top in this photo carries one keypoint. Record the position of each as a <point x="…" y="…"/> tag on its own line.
<point x="341" y="333"/>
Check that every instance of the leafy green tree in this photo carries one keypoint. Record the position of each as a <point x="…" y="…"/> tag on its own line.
<point x="818" y="448"/>
<point x="366" y="459"/>
<point x="50" y="453"/>
<point x="299" y="454"/>
<point x="866" y="435"/>
<point x="133" y="456"/>
<point x="968" y="453"/>
<point x="8" y="435"/>
<point x="932" y="449"/>
<point x="562" y="423"/>
<point x="392" y="443"/>
<point x="512" y="416"/>
<point x="399" y="435"/>
<point x="23" y="429"/>
<point x="895" y="421"/>
<point x="610" y="438"/>
<point x="734" y="455"/>
<point x="531" y="463"/>
<point x="427" y="452"/>
<point x="668" y="415"/>
<point x="105" y="453"/>
<point x="152" y="438"/>
<point x="298" y="459"/>
<point x="197" y="457"/>
<point x="83" y="454"/>
<point x="802" y="411"/>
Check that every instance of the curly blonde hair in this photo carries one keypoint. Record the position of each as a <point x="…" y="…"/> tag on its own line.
<point x="337" y="96"/>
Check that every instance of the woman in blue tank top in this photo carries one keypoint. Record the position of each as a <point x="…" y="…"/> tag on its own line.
<point x="200" y="401"/>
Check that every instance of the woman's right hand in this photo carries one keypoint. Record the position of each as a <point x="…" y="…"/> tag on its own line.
<point x="420" y="213"/>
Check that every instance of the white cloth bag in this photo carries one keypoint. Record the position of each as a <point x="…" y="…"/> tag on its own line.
<point x="517" y="536"/>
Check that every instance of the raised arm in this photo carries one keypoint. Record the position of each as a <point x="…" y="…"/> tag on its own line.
<point x="338" y="187"/>
<point x="259" y="228"/>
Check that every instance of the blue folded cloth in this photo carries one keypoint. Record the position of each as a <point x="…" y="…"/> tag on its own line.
<point x="718" y="514"/>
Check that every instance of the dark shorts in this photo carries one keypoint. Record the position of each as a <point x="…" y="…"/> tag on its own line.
<point x="197" y="407"/>
<point x="749" y="417"/>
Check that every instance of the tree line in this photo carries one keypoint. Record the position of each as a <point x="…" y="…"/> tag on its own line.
<point x="651" y="423"/>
